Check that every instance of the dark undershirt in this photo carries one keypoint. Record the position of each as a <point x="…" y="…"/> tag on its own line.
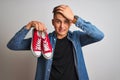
<point x="63" y="67"/>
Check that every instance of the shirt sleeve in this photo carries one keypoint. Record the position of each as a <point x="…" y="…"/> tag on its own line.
<point x="18" y="42"/>
<point x="90" y="32"/>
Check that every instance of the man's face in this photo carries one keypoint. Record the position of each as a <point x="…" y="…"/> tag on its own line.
<point x="61" y="25"/>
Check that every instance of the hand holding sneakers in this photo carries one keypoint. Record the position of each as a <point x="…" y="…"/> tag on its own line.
<point x="41" y="44"/>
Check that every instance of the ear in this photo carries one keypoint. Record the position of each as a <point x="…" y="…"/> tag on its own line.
<point x="53" y="22"/>
<point x="71" y="23"/>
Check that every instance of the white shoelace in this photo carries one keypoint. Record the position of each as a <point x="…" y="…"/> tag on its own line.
<point x="46" y="46"/>
<point x="38" y="47"/>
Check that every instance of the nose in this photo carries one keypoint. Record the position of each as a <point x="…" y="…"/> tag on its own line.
<point x="62" y="25"/>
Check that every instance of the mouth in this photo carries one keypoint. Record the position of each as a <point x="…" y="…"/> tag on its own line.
<point x="62" y="30"/>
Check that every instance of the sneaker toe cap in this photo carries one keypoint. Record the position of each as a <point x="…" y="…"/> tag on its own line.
<point x="37" y="53"/>
<point x="48" y="55"/>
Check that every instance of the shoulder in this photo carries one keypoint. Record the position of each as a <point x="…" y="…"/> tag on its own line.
<point x="77" y="33"/>
<point x="51" y="34"/>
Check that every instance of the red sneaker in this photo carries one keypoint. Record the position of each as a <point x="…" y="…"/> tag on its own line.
<point x="36" y="43"/>
<point x="46" y="46"/>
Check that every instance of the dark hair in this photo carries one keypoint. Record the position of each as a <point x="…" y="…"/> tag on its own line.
<point x="55" y="10"/>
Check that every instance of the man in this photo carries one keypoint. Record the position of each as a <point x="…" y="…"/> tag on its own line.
<point x="67" y="62"/>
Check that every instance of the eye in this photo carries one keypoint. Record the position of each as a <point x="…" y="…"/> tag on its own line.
<point x="57" y="21"/>
<point x="66" y="21"/>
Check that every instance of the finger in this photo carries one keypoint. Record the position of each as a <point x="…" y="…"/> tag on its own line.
<point x="35" y="25"/>
<point x="40" y="27"/>
<point x="63" y="6"/>
<point x="44" y="27"/>
<point x="60" y="8"/>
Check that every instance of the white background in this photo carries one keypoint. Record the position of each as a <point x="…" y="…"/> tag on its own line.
<point x="102" y="58"/>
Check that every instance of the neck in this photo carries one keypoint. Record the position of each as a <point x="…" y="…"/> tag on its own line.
<point x="61" y="36"/>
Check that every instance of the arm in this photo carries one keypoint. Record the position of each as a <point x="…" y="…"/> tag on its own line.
<point x="90" y="32"/>
<point x="18" y="42"/>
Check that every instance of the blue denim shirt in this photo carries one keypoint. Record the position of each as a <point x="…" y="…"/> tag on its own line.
<point x="90" y="34"/>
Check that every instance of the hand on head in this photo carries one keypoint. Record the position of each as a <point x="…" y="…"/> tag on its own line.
<point x="65" y="10"/>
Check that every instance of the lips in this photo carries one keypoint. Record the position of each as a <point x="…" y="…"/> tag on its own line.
<point x="62" y="30"/>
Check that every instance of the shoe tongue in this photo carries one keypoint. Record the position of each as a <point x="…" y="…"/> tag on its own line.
<point x="38" y="33"/>
<point x="43" y="35"/>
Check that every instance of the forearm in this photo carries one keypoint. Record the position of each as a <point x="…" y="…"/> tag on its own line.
<point x="18" y="42"/>
<point x="89" y="29"/>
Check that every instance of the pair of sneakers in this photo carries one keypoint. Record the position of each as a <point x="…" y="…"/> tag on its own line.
<point x="40" y="44"/>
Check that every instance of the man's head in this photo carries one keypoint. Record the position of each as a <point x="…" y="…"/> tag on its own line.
<point x="60" y="23"/>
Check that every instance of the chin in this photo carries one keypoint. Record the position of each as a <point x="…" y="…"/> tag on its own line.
<point x="62" y="34"/>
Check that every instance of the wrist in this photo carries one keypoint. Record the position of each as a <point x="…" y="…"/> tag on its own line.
<point x="28" y="27"/>
<point x="75" y="19"/>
